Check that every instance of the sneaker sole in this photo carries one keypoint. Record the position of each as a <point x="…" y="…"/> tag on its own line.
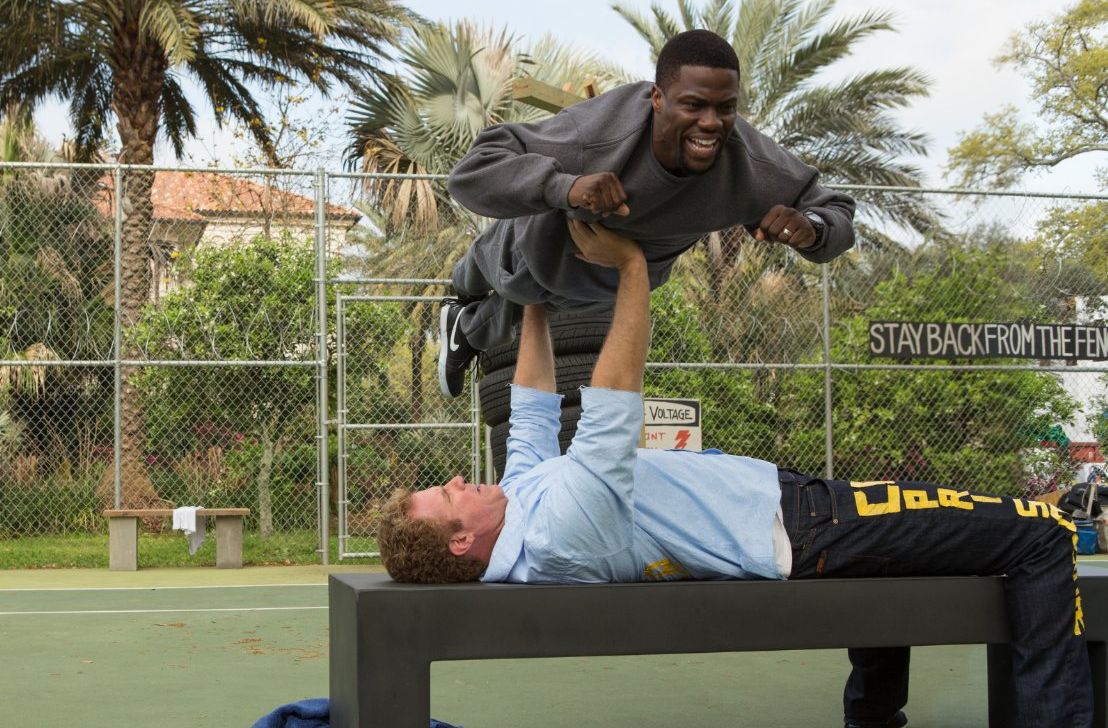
<point x="443" y="345"/>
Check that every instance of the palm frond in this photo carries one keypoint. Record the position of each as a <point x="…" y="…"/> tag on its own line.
<point x="812" y="55"/>
<point x="228" y="95"/>
<point x="179" y="119"/>
<point x="315" y="17"/>
<point x="666" y="23"/>
<point x="173" y="25"/>
<point x="643" y="27"/>
<point x="89" y="110"/>
<point x="715" y="16"/>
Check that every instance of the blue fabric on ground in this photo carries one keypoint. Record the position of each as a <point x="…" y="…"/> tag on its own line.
<point x="311" y="713"/>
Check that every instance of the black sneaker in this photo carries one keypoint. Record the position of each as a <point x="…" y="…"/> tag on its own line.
<point x="899" y="720"/>
<point x="455" y="353"/>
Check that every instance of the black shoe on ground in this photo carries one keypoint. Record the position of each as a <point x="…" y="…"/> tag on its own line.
<point x="899" y="720"/>
<point x="455" y="353"/>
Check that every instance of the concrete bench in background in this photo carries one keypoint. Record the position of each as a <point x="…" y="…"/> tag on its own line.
<point x="123" y="535"/>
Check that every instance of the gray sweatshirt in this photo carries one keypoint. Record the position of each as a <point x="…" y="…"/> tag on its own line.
<point x="521" y="174"/>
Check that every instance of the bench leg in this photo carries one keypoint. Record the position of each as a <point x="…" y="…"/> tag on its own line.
<point x="123" y="544"/>
<point x="376" y="679"/>
<point x="1002" y="687"/>
<point x="228" y="542"/>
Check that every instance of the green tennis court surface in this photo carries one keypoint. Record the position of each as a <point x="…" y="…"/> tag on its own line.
<point x="201" y="647"/>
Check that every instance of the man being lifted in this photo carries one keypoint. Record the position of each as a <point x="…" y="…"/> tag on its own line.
<point x="664" y="163"/>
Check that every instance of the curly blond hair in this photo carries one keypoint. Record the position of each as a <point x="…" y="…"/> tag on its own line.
<point x="418" y="550"/>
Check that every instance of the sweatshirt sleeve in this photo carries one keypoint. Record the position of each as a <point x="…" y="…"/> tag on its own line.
<point x="514" y="170"/>
<point x="837" y="211"/>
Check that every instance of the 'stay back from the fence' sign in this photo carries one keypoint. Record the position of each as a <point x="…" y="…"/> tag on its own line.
<point x="903" y="340"/>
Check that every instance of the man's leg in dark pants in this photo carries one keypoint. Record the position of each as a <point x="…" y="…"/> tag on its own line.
<point x="488" y="319"/>
<point x="878" y="684"/>
<point x="843" y="529"/>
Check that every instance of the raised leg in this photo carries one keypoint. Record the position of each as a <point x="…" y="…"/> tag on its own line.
<point x="228" y="542"/>
<point x="123" y="543"/>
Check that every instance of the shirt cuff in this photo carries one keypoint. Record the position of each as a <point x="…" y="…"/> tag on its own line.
<point x="522" y="395"/>
<point x="602" y="396"/>
<point x="556" y="191"/>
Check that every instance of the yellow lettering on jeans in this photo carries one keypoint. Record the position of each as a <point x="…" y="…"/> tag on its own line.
<point x="869" y="483"/>
<point x="918" y="499"/>
<point x="953" y="499"/>
<point x="865" y="508"/>
<point x="1031" y="509"/>
<point x="1061" y="518"/>
<point x="986" y="498"/>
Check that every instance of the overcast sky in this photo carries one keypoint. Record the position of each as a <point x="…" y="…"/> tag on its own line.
<point x="953" y="41"/>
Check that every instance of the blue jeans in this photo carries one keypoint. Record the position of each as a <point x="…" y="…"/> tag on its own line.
<point x="844" y="529"/>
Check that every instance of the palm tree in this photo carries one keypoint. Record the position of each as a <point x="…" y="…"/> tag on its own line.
<point x="20" y="140"/>
<point x="126" y="60"/>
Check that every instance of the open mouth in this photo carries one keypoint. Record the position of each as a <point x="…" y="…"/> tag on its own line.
<point x="702" y="147"/>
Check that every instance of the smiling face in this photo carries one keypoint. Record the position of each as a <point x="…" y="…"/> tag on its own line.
<point x="479" y="508"/>
<point x="693" y="116"/>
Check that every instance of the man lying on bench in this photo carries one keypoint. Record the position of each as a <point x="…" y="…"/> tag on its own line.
<point x="609" y="512"/>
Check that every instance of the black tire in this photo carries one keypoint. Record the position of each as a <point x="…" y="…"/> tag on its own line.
<point x="572" y="370"/>
<point x="569" y="335"/>
<point x="498" y="439"/>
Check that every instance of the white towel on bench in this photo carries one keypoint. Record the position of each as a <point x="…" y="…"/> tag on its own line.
<point x="185" y="519"/>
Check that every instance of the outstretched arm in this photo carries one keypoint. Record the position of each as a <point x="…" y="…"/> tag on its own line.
<point x="535" y="363"/>
<point x="623" y="356"/>
<point x="536" y="406"/>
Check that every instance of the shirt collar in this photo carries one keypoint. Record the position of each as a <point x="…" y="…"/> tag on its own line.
<point x="509" y="544"/>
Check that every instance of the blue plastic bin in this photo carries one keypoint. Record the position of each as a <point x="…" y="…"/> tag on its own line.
<point x="1086" y="537"/>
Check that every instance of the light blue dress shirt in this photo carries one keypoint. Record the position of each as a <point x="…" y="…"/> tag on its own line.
<point x="607" y="511"/>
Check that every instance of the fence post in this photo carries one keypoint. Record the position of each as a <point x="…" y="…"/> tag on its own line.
<point x="322" y="484"/>
<point x="117" y="339"/>
<point x="828" y="452"/>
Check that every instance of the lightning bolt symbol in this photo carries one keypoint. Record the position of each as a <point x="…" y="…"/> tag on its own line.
<point x="682" y="439"/>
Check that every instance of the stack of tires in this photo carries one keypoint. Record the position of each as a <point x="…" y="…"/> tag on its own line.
<point x="577" y="340"/>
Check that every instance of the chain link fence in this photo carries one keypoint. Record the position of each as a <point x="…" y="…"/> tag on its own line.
<point x="268" y="339"/>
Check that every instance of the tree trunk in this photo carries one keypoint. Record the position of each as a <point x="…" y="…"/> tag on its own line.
<point x="140" y="67"/>
<point x="265" y="493"/>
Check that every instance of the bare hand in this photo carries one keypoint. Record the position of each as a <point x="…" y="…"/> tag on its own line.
<point x="788" y="226"/>
<point x="600" y="194"/>
<point x="600" y="246"/>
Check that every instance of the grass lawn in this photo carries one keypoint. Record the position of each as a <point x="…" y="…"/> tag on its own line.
<point x="165" y="549"/>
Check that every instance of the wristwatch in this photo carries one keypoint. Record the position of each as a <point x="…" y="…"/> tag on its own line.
<point x="818" y="224"/>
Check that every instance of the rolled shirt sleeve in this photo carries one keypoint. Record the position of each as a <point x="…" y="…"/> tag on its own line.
<point x="533" y="429"/>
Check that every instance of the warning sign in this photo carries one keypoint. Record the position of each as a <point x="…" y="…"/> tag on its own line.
<point x="671" y="424"/>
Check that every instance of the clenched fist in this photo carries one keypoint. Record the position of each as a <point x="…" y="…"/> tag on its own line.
<point x="786" y="225"/>
<point x="600" y="193"/>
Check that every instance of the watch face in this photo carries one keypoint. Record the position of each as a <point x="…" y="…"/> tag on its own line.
<point x="817" y="223"/>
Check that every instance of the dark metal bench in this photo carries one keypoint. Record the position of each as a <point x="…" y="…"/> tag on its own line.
<point x="384" y="635"/>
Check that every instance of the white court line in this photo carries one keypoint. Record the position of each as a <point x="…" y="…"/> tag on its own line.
<point x="160" y="611"/>
<point x="151" y="588"/>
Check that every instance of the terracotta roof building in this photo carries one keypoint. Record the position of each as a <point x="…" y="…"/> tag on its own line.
<point x="196" y="208"/>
